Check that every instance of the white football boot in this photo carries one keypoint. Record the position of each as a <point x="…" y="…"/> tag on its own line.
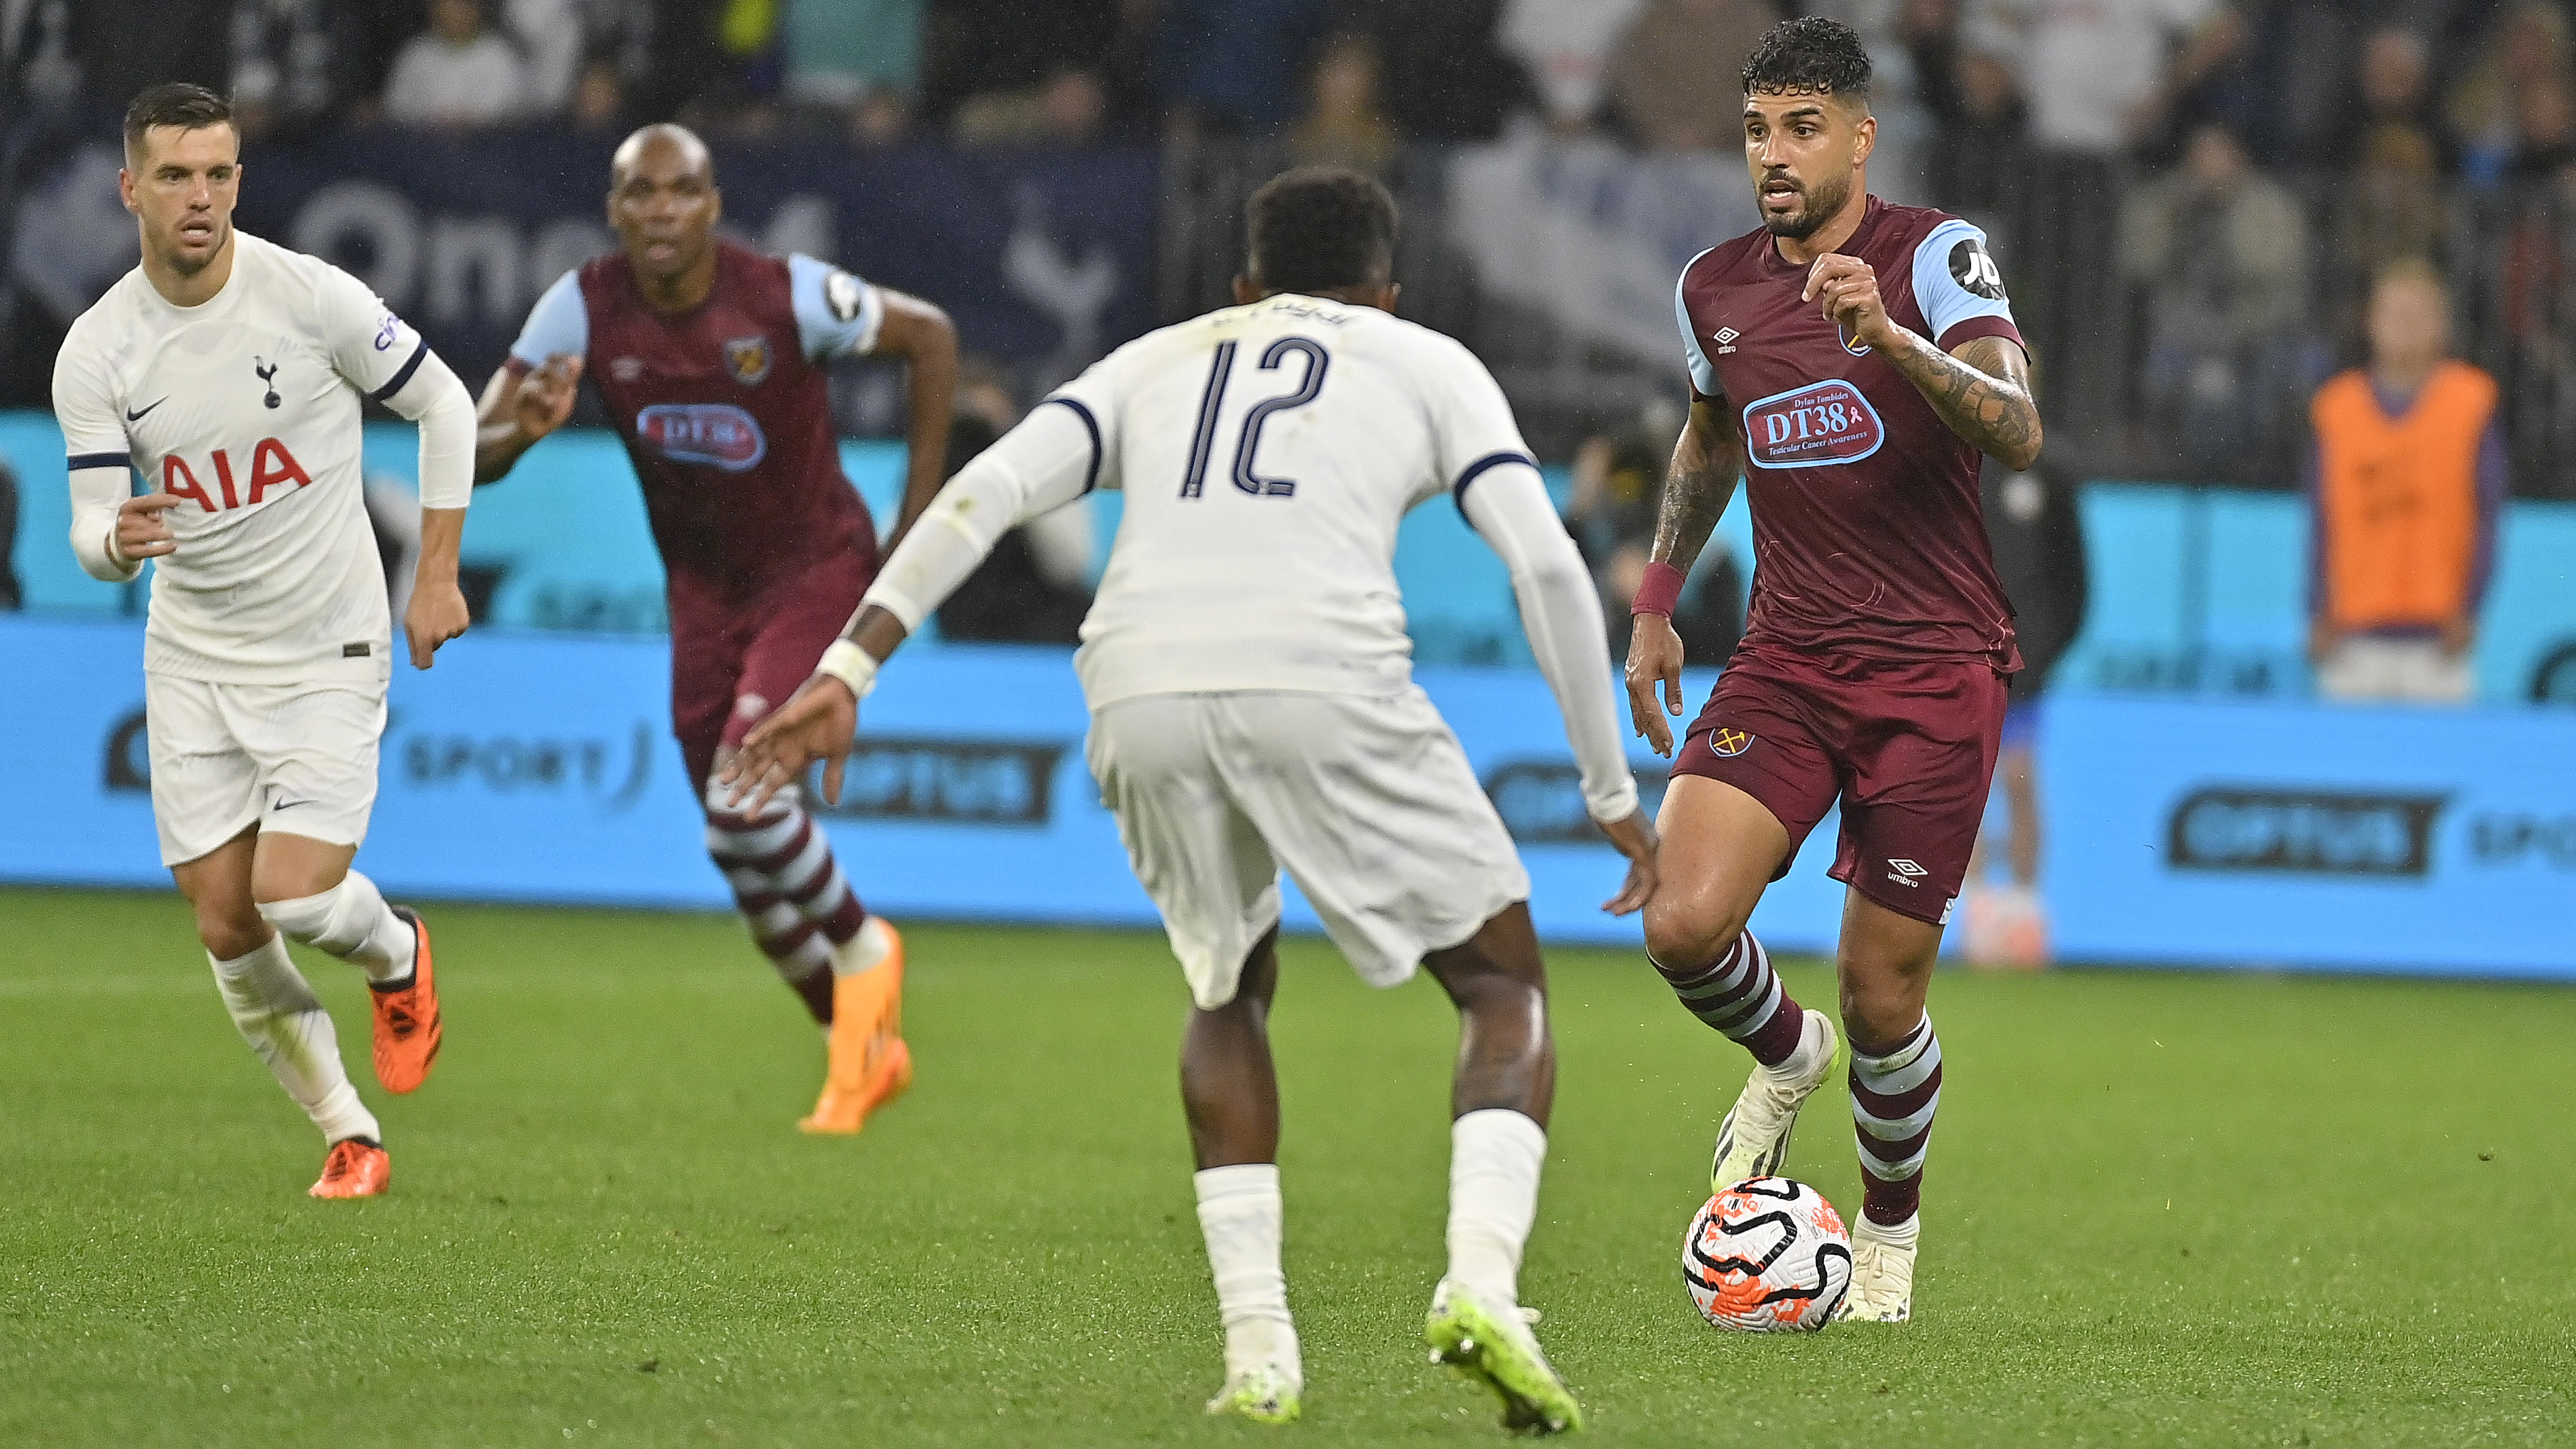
<point x="1753" y="1141"/>
<point x="1882" y="1285"/>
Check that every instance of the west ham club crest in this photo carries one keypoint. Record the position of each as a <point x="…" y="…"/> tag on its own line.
<point x="748" y="358"/>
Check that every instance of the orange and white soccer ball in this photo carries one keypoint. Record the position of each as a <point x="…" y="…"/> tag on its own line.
<point x="1767" y="1255"/>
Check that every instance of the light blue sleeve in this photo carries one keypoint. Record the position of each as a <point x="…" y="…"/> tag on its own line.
<point x="1955" y="280"/>
<point x="1703" y="373"/>
<point x="837" y="314"/>
<point x="559" y="323"/>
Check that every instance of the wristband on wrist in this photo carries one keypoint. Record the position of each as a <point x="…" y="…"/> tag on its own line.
<point x="1659" y="592"/>
<point x="851" y="665"/>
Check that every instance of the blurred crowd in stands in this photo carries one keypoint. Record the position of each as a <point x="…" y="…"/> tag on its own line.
<point x="2478" y="89"/>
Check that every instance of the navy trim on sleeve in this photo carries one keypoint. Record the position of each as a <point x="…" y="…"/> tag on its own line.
<point x="100" y="460"/>
<point x="1090" y="424"/>
<point x="404" y="376"/>
<point x="1458" y="490"/>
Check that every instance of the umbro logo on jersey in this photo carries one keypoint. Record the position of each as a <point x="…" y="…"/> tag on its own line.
<point x="267" y="370"/>
<point x="1905" y="873"/>
<point x="1726" y="339"/>
<point x="135" y="415"/>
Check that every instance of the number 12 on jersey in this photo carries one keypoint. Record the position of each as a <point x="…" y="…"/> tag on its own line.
<point x="1220" y="371"/>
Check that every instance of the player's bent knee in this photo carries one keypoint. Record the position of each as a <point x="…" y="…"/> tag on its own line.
<point x="1682" y="931"/>
<point x="232" y="930"/>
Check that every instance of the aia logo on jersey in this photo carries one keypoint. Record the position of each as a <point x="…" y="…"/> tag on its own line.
<point x="272" y="470"/>
<point x="748" y="358"/>
<point x="1816" y="426"/>
<point x="714" y="435"/>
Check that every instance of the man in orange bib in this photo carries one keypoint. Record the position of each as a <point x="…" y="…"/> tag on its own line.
<point x="2406" y="479"/>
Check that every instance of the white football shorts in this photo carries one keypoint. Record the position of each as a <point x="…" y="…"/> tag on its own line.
<point x="1366" y="800"/>
<point x="289" y="758"/>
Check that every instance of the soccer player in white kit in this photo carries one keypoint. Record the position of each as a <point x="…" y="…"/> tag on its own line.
<point x="229" y="372"/>
<point x="1252" y="707"/>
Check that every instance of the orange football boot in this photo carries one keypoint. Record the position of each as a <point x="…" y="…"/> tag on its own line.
<point x="408" y="1028"/>
<point x="355" y="1168"/>
<point x="869" y="1063"/>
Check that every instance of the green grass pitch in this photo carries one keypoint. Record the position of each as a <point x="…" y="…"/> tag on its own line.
<point x="2162" y="1208"/>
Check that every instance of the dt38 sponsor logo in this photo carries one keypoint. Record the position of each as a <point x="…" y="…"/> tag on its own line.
<point x="718" y="435"/>
<point x="1819" y="425"/>
<point x="1541" y="801"/>
<point x="610" y="771"/>
<point x="2303" y="832"/>
<point x="962" y="782"/>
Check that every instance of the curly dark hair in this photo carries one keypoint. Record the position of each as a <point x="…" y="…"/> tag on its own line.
<point x="1321" y="227"/>
<point x="1809" y="53"/>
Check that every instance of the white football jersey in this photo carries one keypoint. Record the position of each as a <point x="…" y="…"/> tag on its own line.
<point x="247" y="406"/>
<point x="1267" y="453"/>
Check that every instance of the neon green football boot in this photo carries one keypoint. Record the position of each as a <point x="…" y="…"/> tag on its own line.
<point x="1265" y="1394"/>
<point x="1493" y="1345"/>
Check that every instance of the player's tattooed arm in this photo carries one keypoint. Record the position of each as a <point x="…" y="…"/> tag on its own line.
<point x="1981" y="390"/>
<point x="1697" y="484"/>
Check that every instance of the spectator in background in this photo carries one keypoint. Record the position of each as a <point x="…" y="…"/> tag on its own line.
<point x="2394" y="156"/>
<point x="1679" y="75"/>
<point x="1230" y="67"/>
<point x="2221" y="255"/>
<point x="553" y="40"/>
<point x="858" y="57"/>
<point x="2544" y="133"/>
<point x="2406" y="479"/>
<point x="458" y="73"/>
<point x="1617" y="481"/>
<point x="2035" y="525"/>
<point x="1447" y="78"/>
<point x="301" y="66"/>
<point x="1566" y="46"/>
<point x="39" y="56"/>
<point x="1068" y="109"/>
<point x="2528" y="45"/>
<point x="1344" y="123"/>
<point x="2101" y="77"/>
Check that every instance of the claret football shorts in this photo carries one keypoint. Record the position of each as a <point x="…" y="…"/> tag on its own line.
<point x="1907" y="745"/>
<point x="1367" y="801"/>
<point x="291" y="758"/>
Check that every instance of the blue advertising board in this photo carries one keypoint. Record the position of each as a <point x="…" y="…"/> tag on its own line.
<point x="539" y="768"/>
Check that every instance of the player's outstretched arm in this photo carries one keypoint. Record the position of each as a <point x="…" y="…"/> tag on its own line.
<point x="1561" y="612"/>
<point x="926" y="340"/>
<point x="1981" y="390"/>
<point x="1051" y="458"/>
<point x="1697" y="485"/>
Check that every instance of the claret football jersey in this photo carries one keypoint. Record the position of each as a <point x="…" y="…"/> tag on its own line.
<point x="1867" y="533"/>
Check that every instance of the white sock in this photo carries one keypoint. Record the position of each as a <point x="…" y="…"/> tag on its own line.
<point x="1239" y="1211"/>
<point x="1494" y="1159"/>
<point x="277" y="1013"/>
<point x="352" y="922"/>
<point x="863" y="950"/>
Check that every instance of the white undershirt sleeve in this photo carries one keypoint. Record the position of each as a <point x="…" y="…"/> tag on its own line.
<point x="97" y="493"/>
<point x="1560" y="610"/>
<point x="1051" y="458"/>
<point x="380" y="355"/>
<point x="95" y="446"/>
<point x="435" y="399"/>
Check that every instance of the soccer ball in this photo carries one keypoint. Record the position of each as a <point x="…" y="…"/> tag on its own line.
<point x="1767" y="1255"/>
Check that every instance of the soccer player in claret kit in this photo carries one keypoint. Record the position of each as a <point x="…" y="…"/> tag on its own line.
<point x="1253" y="707"/>
<point x="709" y="359"/>
<point x="1851" y="359"/>
<point x="229" y="372"/>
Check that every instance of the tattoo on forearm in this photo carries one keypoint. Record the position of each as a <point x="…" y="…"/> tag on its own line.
<point x="1697" y="485"/>
<point x="1982" y="392"/>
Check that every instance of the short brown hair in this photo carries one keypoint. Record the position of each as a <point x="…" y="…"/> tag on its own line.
<point x="174" y="103"/>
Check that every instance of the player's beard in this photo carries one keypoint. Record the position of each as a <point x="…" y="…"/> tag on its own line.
<point x="1823" y="202"/>
<point x="187" y="264"/>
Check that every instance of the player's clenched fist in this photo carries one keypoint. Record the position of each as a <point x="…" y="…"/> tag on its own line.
<point x="1848" y="288"/>
<point x="546" y="395"/>
<point x="140" y="531"/>
<point x="1654" y="659"/>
